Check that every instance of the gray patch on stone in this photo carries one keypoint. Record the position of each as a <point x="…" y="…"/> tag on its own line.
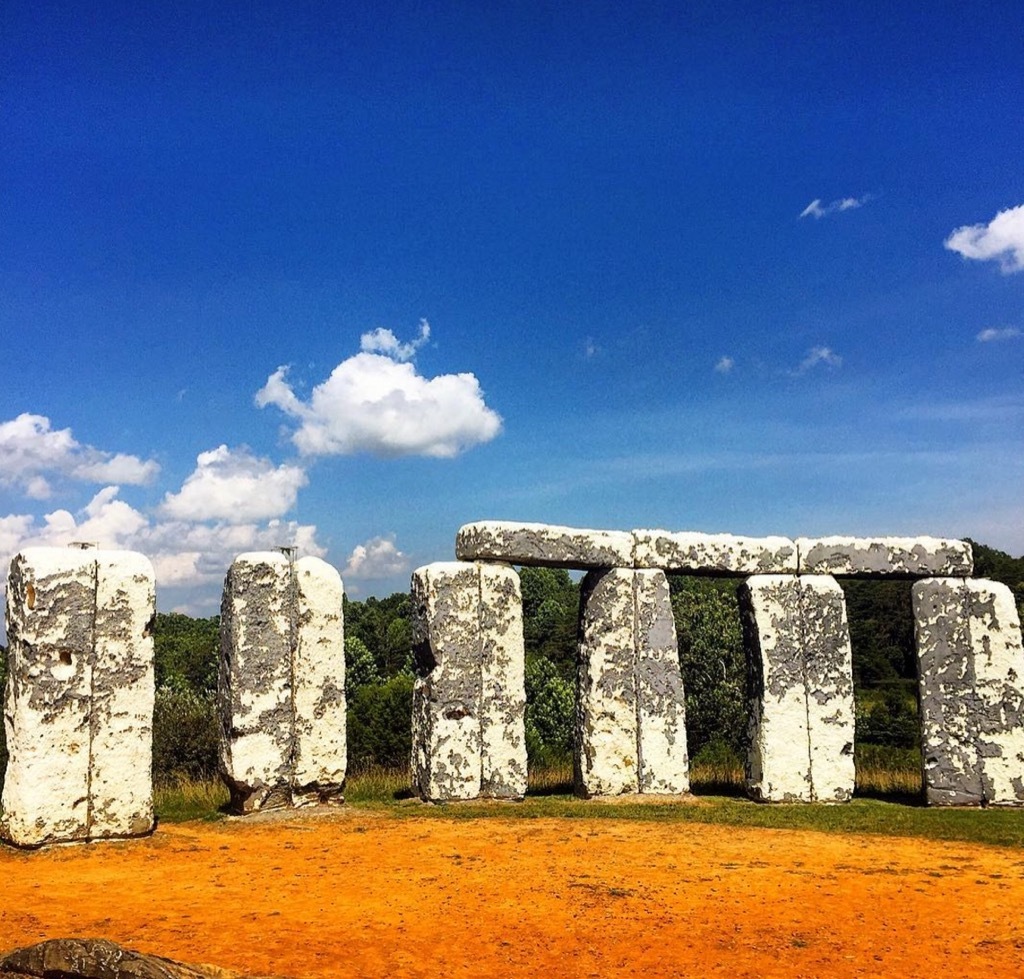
<point x="281" y="682"/>
<point x="630" y="724"/>
<point x="469" y="698"/>
<point x="970" y="669"/>
<point x="718" y="554"/>
<point x="799" y="689"/>
<point x="79" y="700"/>
<point x="885" y="557"/>
<point x="543" y="545"/>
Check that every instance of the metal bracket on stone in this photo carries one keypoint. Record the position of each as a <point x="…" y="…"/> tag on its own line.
<point x="281" y="682"/>
<point x="79" y="699"/>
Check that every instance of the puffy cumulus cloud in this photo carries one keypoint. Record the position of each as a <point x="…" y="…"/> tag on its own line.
<point x="184" y="553"/>
<point x="381" y="341"/>
<point x="817" y="357"/>
<point x="1001" y="240"/>
<point x="33" y="454"/>
<point x="998" y="333"/>
<point x="725" y="364"/>
<point x="377" y="558"/>
<point x="380" y="404"/>
<point x="235" y="486"/>
<point x="816" y="209"/>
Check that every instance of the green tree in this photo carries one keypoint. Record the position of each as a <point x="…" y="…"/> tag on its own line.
<point x="186" y="651"/>
<point x="360" y="666"/>
<point x="550" y="706"/>
<point x="380" y="724"/>
<point x="551" y="601"/>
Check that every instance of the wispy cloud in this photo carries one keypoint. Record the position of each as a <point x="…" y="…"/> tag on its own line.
<point x="1001" y="240"/>
<point x="817" y="357"/>
<point x="377" y="402"/>
<point x="998" y="333"/>
<point x="725" y="364"/>
<point x="33" y="455"/>
<point x="378" y="557"/>
<point x="591" y="349"/>
<point x="817" y="209"/>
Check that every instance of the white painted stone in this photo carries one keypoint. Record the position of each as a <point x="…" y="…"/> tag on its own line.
<point x="801" y="727"/>
<point x="723" y="554"/>
<point x="970" y="672"/>
<point x="661" y="702"/>
<point x="258" y="613"/>
<point x="123" y="685"/>
<point x="469" y="697"/>
<point x="607" y="760"/>
<point x="631" y="712"/>
<point x="543" y="545"/>
<point x="908" y="557"/>
<point x="79" y="700"/>
<point x="318" y="672"/>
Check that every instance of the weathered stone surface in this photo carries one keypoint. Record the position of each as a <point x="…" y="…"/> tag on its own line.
<point x="631" y="720"/>
<point x="800" y="689"/>
<point x="970" y="672"/>
<point x="79" y="702"/>
<point x="282" y="682"/>
<point x="97" y="958"/>
<point x="123" y="683"/>
<point x="469" y="698"/>
<point x="258" y="617"/>
<point x="907" y="557"/>
<point x="318" y="674"/>
<point x="543" y="545"/>
<point x="722" y="554"/>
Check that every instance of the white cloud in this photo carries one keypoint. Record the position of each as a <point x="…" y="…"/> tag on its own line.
<point x="381" y="341"/>
<point x="725" y="364"/>
<point x="235" y="486"/>
<point x="818" y="356"/>
<point x="377" y="558"/>
<point x="1002" y="240"/>
<point x="816" y="209"/>
<point x="183" y="553"/>
<point x="33" y="454"/>
<point x="995" y="333"/>
<point x="591" y="349"/>
<point x="380" y="404"/>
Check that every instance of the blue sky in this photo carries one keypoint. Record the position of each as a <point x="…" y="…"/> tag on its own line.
<point x="351" y="275"/>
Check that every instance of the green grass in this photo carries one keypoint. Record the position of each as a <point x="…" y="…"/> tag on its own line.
<point x="893" y="812"/>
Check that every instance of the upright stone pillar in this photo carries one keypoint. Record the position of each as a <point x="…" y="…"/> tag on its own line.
<point x="971" y="681"/>
<point x="79" y="702"/>
<point x="631" y="713"/>
<point x="281" y="684"/>
<point x="800" y="689"/>
<point x="469" y="697"/>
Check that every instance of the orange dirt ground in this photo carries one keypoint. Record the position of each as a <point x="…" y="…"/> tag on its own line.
<point x="362" y="894"/>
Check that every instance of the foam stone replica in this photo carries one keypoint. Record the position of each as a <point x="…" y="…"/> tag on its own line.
<point x="542" y="545"/>
<point x="800" y="679"/>
<point x="79" y="702"/>
<point x="971" y="677"/>
<point x="905" y="557"/>
<point x="469" y="697"/>
<point x="281" y="684"/>
<point x="721" y="554"/>
<point x="631" y="714"/>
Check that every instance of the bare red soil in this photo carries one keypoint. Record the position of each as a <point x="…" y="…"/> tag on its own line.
<point x="359" y="894"/>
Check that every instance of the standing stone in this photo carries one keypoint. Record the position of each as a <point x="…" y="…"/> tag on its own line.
<point x="281" y="682"/>
<point x="970" y="673"/>
<point x="469" y="697"/>
<point x="800" y="689"/>
<point x="79" y="700"/>
<point x="631" y="715"/>
<point x="318" y="674"/>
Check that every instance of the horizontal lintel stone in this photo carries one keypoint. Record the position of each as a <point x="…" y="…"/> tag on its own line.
<point x="544" y="545"/>
<point x="723" y="554"/>
<point x="868" y="557"/>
